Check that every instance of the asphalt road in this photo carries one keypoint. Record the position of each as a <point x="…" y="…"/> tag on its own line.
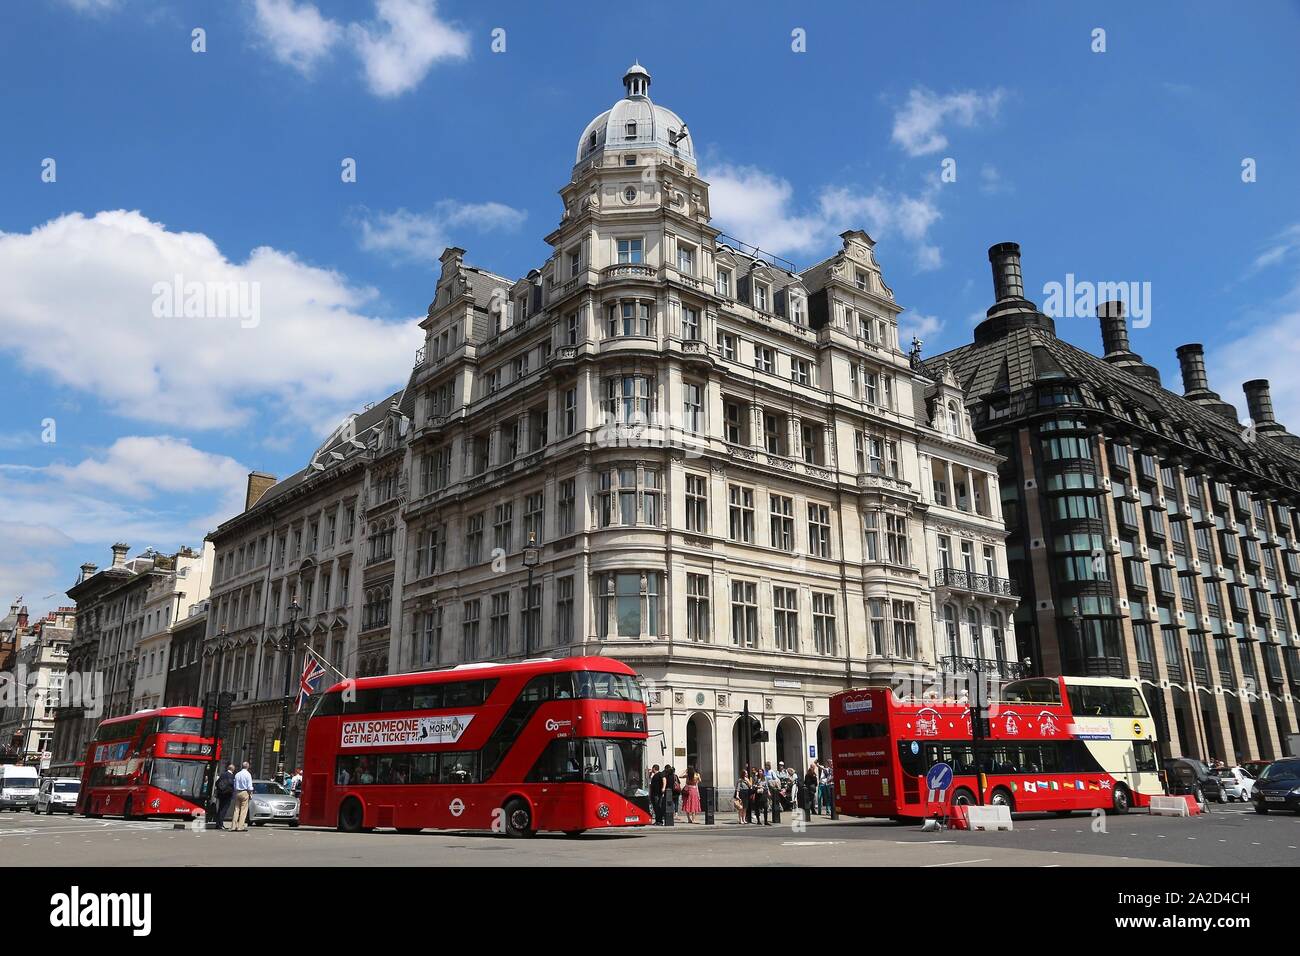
<point x="1228" y="836"/>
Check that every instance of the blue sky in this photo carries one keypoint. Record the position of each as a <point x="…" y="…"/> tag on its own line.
<point x="1123" y="165"/>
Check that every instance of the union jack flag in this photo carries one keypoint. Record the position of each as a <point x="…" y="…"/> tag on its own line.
<point x="309" y="683"/>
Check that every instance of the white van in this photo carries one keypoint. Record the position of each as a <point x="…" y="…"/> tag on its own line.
<point x="57" y="794"/>
<point x="18" y="787"/>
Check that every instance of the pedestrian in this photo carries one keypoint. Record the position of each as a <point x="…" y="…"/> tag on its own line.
<point x="762" y="799"/>
<point x="826" y="788"/>
<point x="668" y="794"/>
<point x="656" y="794"/>
<point x="243" y="795"/>
<point x="691" y="794"/>
<point x="295" y="783"/>
<point x="810" y="785"/>
<point x="225" y="789"/>
<point x="740" y="799"/>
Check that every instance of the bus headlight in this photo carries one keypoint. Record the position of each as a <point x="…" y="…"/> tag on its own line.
<point x="602" y="811"/>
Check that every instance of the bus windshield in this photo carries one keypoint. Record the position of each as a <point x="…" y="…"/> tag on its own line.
<point x="180" y="725"/>
<point x="616" y="764"/>
<point x="180" y="778"/>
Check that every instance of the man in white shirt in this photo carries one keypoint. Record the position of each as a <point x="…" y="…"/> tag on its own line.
<point x="243" y="793"/>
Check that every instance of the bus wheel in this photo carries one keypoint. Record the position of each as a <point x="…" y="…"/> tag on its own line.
<point x="961" y="797"/>
<point x="519" y="818"/>
<point x="1001" y="797"/>
<point x="1120" y="800"/>
<point x="574" y="833"/>
<point x="351" y="816"/>
<point x="409" y="829"/>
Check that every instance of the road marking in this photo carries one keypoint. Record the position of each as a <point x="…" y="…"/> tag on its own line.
<point x="812" y="843"/>
<point x="958" y="862"/>
<point x="922" y="842"/>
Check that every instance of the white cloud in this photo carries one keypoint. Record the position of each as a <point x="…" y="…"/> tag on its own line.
<point x="92" y="7"/>
<point x="297" y="34"/>
<point x="915" y="324"/>
<point x="1270" y="348"/>
<point x="79" y="308"/>
<point x="141" y="466"/>
<point x="409" y="38"/>
<point x="759" y="208"/>
<point x="918" y="124"/>
<point x="421" y="237"/>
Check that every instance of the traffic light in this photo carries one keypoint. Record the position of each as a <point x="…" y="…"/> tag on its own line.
<point x="761" y="736"/>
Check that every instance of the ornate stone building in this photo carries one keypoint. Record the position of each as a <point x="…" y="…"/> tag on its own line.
<point x="666" y="447"/>
<point x="1152" y="535"/>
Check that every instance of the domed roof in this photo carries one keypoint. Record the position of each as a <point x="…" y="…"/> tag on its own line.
<point x="634" y="122"/>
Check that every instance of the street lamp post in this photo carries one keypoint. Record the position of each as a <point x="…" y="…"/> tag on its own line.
<point x="31" y="725"/>
<point x="288" y="643"/>
<point x="532" y="556"/>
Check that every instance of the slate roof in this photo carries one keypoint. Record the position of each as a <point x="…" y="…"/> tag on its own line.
<point x="1031" y="355"/>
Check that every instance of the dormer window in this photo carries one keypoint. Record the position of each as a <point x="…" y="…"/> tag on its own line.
<point x="760" y="297"/>
<point x="631" y="130"/>
<point x="591" y="142"/>
<point x="860" y="280"/>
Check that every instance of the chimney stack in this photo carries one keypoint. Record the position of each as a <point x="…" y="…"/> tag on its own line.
<point x="119" y="554"/>
<point x="1008" y="283"/>
<point x="87" y="571"/>
<point x="1114" y="340"/>
<point x="1196" y="383"/>
<point x="1114" y="327"/>
<point x="1191" y="359"/>
<point x="1260" y="404"/>
<point x="258" y="484"/>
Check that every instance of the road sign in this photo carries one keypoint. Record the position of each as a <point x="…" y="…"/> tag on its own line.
<point x="939" y="777"/>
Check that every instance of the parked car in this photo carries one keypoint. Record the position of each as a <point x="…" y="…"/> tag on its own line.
<point x="271" y="803"/>
<point x="18" y="786"/>
<point x="1255" y="767"/>
<point x="1236" y="783"/>
<point x="1189" y="777"/>
<point x="1278" y="787"/>
<point x="57" y="794"/>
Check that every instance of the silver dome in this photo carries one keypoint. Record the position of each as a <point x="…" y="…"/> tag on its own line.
<point x="634" y="123"/>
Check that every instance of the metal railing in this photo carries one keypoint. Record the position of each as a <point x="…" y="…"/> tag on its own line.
<point x="970" y="581"/>
<point x="1009" y="670"/>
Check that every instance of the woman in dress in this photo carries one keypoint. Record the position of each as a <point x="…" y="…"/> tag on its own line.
<point x="691" y="794"/>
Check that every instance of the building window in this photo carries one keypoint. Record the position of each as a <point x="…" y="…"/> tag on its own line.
<point x="627" y="400"/>
<point x="469" y="630"/>
<point x="431" y="638"/>
<point x="744" y="613"/>
<point x="697" y="504"/>
<point x="800" y="371"/>
<point x="764" y="358"/>
<point x="534" y="517"/>
<point x="785" y="618"/>
<point x="474" y="538"/>
<point x="781" y="511"/>
<point x="685" y="260"/>
<point x="950" y="628"/>
<point x="627" y="318"/>
<point x="773" y="434"/>
<point x="618" y="494"/>
<point x="693" y="407"/>
<point x="727" y="345"/>
<point x="876" y="623"/>
<point x="824" y="634"/>
<point x="564" y="610"/>
<point x="905" y="630"/>
<point x="819" y="530"/>
<point x="740" y="523"/>
<point x="896" y="548"/>
<point x="566" y="506"/>
<point x="501" y="527"/>
<point x="629" y="250"/>
<point x="871" y="536"/>
<point x="623" y="604"/>
<point x="499" y="625"/>
<point x="724" y="283"/>
<point x="811" y="436"/>
<point x="690" y="324"/>
<point x="698" y="624"/>
<point x="570" y="411"/>
<point x="760" y="297"/>
<point x="734" y="423"/>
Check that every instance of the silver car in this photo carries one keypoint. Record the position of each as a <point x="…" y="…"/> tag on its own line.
<point x="271" y="803"/>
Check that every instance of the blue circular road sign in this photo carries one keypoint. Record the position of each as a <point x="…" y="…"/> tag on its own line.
<point x="939" y="777"/>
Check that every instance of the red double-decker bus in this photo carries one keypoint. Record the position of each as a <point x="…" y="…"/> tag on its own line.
<point x="150" y="763"/>
<point x="1055" y="744"/>
<point x="516" y="748"/>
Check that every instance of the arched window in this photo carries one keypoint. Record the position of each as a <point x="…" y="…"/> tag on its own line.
<point x="954" y="419"/>
<point x="999" y="640"/>
<point x="976" y="632"/>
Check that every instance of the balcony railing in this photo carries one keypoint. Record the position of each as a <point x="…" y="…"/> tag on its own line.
<point x="1008" y="670"/>
<point x="963" y="580"/>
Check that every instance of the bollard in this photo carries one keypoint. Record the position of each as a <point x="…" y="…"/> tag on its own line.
<point x="835" y="813"/>
<point x="710" y="804"/>
<point x="775" y="801"/>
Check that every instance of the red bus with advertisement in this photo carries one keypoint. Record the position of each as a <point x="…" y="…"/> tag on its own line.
<point x="516" y="748"/>
<point x="147" y="764"/>
<point x="1054" y="744"/>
